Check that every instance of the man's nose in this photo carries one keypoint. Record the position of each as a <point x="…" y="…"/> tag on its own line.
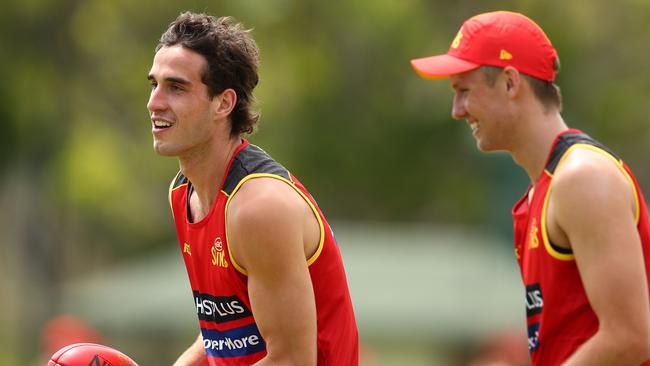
<point x="156" y="101"/>
<point x="458" y="110"/>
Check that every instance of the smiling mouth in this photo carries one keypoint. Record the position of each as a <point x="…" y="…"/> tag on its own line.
<point x="157" y="124"/>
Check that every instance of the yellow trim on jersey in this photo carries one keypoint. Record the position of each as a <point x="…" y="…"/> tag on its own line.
<point x="321" y="242"/>
<point x="547" y="243"/>
<point x="171" y="189"/>
<point x="619" y="164"/>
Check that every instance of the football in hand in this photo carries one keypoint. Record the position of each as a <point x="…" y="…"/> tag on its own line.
<point x="89" y="354"/>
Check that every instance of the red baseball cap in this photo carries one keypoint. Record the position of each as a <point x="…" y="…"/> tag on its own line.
<point x="500" y="38"/>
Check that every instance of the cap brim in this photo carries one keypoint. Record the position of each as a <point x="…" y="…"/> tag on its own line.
<point x="441" y="66"/>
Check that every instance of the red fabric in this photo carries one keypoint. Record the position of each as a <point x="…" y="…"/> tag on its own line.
<point x="213" y="276"/>
<point x="559" y="316"/>
<point x="500" y="38"/>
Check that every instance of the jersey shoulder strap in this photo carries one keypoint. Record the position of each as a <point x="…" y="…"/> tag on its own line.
<point x="564" y="143"/>
<point x="252" y="160"/>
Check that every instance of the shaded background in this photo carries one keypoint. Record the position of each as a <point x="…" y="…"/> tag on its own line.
<point x="421" y="216"/>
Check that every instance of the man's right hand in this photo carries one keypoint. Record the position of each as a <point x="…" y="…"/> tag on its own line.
<point x="194" y="355"/>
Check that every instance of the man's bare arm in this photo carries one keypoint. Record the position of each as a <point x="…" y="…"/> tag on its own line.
<point x="271" y="228"/>
<point x="593" y="204"/>
<point x="193" y="355"/>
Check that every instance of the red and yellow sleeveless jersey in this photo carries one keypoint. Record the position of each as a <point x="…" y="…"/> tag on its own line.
<point x="559" y="315"/>
<point x="219" y="284"/>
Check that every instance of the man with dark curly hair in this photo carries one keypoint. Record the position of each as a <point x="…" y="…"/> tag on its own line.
<point x="266" y="273"/>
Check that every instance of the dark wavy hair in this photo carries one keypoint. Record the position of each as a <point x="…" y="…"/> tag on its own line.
<point x="232" y="60"/>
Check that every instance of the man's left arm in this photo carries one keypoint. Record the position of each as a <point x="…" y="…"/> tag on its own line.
<point x="270" y="227"/>
<point x="594" y="205"/>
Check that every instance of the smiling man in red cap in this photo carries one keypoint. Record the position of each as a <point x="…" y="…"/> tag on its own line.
<point x="582" y="237"/>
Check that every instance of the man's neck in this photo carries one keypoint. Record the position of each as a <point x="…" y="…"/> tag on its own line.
<point x="206" y="169"/>
<point x="535" y="143"/>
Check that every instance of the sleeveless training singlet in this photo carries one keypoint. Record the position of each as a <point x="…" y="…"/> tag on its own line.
<point x="230" y="334"/>
<point x="558" y="312"/>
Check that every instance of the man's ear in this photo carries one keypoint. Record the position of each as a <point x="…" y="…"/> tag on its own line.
<point x="512" y="80"/>
<point x="225" y="102"/>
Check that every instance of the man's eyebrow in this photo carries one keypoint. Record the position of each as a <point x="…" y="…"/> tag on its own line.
<point x="170" y="79"/>
<point x="458" y="85"/>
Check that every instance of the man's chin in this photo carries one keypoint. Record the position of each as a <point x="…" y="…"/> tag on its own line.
<point x="485" y="148"/>
<point x="489" y="149"/>
<point x="162" y="151"/>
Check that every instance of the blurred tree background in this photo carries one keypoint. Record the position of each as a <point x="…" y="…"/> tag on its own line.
<point x="82" y="189"/>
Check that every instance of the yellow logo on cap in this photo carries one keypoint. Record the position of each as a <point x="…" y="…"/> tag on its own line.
<point x="505" y="55"/>
<point x="456" y="42"/>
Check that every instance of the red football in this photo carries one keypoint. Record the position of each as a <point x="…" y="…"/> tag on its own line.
<point x="89" y="354"/>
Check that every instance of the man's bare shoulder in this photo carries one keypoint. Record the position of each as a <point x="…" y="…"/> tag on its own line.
<point x="265" y="222"/>
<point x="590" y="188"/>
<point x="590" y="170"/>
<point x="264" y="198"/>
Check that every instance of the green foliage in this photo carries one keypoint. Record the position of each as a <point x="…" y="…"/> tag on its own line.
<point x="340" y="105"/>
<point x="341" y="108"/>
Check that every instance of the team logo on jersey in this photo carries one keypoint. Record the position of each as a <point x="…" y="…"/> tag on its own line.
<point x="187" y="249"/>
<point x="533" y="337"/>
<point x="533" y="240"/>
<point x="219" y="309"/>
<point x="534" y="299"/>
<point x="218" y="255"/>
